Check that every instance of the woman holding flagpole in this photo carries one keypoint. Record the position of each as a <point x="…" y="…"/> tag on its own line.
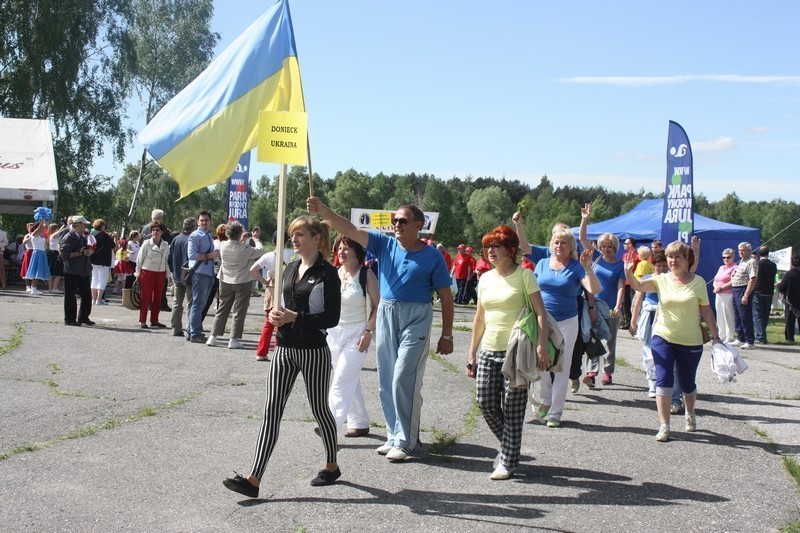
<point x="312" y="304"/>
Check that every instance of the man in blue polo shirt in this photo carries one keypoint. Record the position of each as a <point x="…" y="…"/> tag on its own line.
<point x="409" y="272"/>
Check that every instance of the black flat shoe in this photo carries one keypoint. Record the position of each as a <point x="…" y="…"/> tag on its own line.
<point x="326" y="477"/>
<point x="71" y="323"/>
<point x="158" y="325"/>
<point x="143" y="326"/>
<point x="86" y="321"/>
<point x="241" y="485"/>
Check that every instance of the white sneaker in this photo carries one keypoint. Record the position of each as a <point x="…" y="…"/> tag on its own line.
<point x="383" y="450"/>
<point x="235" y="344"/>
<point x="398" y="454"/>
<point x="663" y="433"/>
<point x="736" y="343"/>
<point x="27" y="288"/>
<point x="36" y="292"/>
<point x="651" y="394"/>
<point x="691" y="423"/>
<point x="212" y="341"/>
<point x="745" y="346"/>
<point x="501" y="473"/>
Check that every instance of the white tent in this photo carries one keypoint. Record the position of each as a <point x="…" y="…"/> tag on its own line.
<point x="27" y="165"/>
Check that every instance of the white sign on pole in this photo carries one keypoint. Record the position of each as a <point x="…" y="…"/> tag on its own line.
<point x="381" y="220"/>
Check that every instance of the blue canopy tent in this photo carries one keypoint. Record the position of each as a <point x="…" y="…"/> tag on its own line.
<point x="643" y="223"/>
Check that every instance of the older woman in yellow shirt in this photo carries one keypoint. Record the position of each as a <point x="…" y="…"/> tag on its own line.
<point x="677" y="338"/>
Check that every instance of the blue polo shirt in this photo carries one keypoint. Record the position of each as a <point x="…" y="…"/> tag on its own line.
<point x="407" y="276"/>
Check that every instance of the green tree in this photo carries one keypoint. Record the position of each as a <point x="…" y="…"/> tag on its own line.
<point x="487" y="208"/>
<point x="58" y="61"/>
<point x="166" y="44"/>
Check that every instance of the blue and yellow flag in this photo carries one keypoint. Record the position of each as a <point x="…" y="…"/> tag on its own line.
<point x="199" y="135"/>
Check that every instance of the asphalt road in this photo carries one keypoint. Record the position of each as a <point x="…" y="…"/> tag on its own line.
<point x="113" y="428"/>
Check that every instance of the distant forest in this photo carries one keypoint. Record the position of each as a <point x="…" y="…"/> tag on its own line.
<point x="467" y="208"/>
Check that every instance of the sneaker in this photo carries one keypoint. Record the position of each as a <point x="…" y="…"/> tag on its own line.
<point x="553" y="423"/>
<point x="102" y="302"/>
<point x="745" y="346"/>
<point x="385" y="449"/>
<point x="241" y="485"/>
<point x="262" y="358"/>
<point x="607" y="379"/>
<point x="36" y="292"/>
<point x="651" y="394"/>
<point x="675" y="408"/>
<point x="235" y="344"/>
<point x="588" y="379"/>
<point x="540" y="413"/>
<point x="736" y="343"/>
<point x="212" y="341"/>
<point x="496" y="461"/>
<point x="326" y="477"/>
<point x="27" y="288"/>
<point x="574" y="385"/>
<point x="198" y="339"/>
<point x="501" y="472"/>
<point x="691" y="423"/>
<point x="663" y="433"/>
<point x="397" y="454"/>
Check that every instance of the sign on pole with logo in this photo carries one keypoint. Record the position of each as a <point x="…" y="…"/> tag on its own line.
<point x="782" y="258"/>
<point x="381" y="220"/>
<point x="238" y="185"/>
<point x="677" y="223"/>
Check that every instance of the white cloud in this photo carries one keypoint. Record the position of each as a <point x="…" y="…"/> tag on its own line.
<point x="638" y="81"/>
<point x="759" y="130"/>
<point x="720" y="144"/>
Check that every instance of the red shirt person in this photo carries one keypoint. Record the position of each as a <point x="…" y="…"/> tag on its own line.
<point x="448" y="259"/>
<point x="462" y="269"/>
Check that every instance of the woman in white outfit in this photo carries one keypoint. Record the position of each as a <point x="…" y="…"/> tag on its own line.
<point x="724" y="297"/>
<point x="350" y="340"/>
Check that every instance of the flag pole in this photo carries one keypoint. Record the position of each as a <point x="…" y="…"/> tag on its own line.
<point x="310" y="174"/>
<point x="279" y="241"/>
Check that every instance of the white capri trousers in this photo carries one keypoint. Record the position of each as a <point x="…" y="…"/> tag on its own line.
<point x="346" y="399"/>
<point x="99" y="277"/>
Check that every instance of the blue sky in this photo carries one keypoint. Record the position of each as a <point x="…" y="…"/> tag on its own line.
<point x="581" y="91"/>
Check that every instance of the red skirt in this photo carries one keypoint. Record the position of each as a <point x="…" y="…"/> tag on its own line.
<point x="123" y="268"/>
<point x="26" y="260"/>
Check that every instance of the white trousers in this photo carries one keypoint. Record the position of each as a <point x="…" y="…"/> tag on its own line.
<point x="553" y="389"/>
<point x="725" y="322"/>
<point x="346" y="399"/>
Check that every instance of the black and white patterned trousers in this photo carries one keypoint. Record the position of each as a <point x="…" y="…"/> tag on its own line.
<point x="315" y="365"/>
<point x="503" y="407"/>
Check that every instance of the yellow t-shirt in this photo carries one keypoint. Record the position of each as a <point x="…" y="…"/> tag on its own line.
<point x="678" y="319"/>
<point x="502" y="299"/>
<point x="643" y="269"/>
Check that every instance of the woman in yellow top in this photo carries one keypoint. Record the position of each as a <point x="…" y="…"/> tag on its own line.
<point x="501" y="295"/>
<point x="677" y="339"/>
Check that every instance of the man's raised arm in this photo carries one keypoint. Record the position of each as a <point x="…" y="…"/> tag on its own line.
<point x="343" y="226"/>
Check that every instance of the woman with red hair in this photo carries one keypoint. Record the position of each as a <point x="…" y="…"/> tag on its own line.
<point x="502" y="294"/>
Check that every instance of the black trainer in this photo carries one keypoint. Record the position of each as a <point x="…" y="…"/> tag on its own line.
<point x="241" y="485"/>
<point x="326" y="477"/>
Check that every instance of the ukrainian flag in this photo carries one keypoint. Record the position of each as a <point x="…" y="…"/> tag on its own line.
<point x="199" y="135"/>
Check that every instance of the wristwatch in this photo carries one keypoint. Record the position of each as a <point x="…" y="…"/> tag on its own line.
<point x="447" y="337"/>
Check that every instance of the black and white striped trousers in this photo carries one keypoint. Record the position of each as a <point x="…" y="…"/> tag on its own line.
<point x="315" y="365"/>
